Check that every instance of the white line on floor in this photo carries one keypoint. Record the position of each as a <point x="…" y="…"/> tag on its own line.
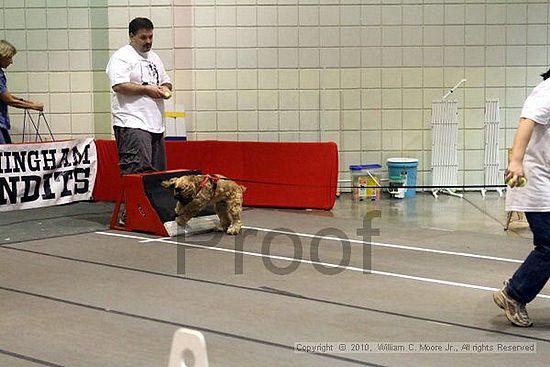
<point x="389" y="245"/>
<point x="329" y="265"/>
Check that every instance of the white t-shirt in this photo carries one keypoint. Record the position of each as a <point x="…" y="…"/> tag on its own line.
<point x="535" y="196"/>
<point x="137" y="111"/>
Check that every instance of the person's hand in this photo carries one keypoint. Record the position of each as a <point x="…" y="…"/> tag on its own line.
<point x="38" y="106"/>
<point x="514" y="173"/>
<point x="166" y="92"/>
<point x="154" y="91"/>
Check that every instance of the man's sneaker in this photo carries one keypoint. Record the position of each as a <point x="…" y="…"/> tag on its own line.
<point x="515" y="311"/>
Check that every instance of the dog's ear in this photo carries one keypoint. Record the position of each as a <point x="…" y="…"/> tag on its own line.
<point x="169" y="184"/>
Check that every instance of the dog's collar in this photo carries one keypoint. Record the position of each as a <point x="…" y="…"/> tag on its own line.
<point x="206" y="179"/>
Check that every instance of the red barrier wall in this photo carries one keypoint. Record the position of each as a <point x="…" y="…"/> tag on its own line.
<point x="108" y="182"/>
<point x="281" y="175"/>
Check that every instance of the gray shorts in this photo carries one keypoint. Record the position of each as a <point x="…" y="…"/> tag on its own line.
<point x="139" y="150"/>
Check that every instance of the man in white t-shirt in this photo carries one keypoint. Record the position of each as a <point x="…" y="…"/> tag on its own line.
<point x="139" y="85"/>
<point x="530" y="158"/>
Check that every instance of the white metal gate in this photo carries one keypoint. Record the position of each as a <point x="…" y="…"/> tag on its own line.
<point x="491" y="164"/>
<point x="444" y="146"/>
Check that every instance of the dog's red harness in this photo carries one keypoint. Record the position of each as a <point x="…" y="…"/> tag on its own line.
<point x="209" y="178"/>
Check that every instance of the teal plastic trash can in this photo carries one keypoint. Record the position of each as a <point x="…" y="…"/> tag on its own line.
<point x="406" y="168"/>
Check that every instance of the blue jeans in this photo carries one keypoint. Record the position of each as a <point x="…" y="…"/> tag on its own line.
<point x="533" y="274"/>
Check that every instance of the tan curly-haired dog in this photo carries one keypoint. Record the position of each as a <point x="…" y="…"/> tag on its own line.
<point x="195" y="192"/>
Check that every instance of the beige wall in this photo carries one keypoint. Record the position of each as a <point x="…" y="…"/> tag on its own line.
<point x="361" y="73"/>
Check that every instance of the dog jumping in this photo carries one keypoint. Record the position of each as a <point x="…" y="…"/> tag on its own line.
<point x="195" y="192"/>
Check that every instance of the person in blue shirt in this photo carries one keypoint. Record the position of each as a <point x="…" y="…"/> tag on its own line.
<point x="7" y="52"/>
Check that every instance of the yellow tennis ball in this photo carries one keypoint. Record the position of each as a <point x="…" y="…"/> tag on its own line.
<point x="521" y="183"/>
<point x="167" y="94"/>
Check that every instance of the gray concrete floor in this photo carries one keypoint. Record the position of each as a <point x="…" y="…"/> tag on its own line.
<point x="73" y="293"/>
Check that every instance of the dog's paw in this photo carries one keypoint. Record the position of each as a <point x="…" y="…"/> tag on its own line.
<point x="233" y="229"/>
<point x="181" y="222"/>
